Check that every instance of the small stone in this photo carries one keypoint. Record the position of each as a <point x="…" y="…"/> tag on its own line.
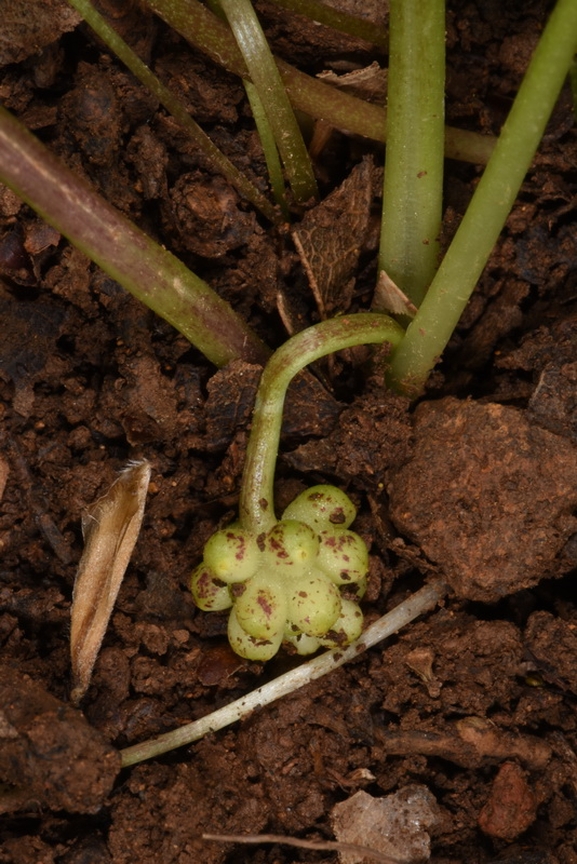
<point x="512" y="806"/>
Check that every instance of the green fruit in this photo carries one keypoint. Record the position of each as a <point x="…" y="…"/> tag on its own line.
<point x="290" y="545"/>
<point x="232" y="554"/>
<point x="314" y="604"/>
<point x="247" y="646"/>
<point x="347" y="627"/>
<point x="302" y="643"/>
<point x="355" y="590"/>
<point x="322" y="507"/>
<point x="261" y="609"/>
<point x="343" y="556"/>
<point x="209" y="593"/>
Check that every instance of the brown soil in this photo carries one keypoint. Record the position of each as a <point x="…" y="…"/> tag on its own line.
<point x="476" y="702"/>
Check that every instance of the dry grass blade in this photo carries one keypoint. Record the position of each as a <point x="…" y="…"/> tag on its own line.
<point x="110" y="527"/>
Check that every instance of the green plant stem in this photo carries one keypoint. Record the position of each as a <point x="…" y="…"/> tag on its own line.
<point x="265" y="133"/>
<point x="140" y="70"/>
<point x="413" y="180"/>
<point x="439" y="313"/>
<point x="265" y="77"/>
<point x="362" y="28"/>
<point x="321" y="101"/>
<point x="256" y="506"/>
<point x="417" y="604"/>
<point x="126" y="253"/>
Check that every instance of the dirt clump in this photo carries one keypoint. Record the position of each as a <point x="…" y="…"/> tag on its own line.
<point x="488" y="495"/>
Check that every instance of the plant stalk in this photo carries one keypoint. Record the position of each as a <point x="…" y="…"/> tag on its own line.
<point x="413" y="179"/>
<point x="256" y="506"/>
<point x="322" y="101"/>
<point x="429" y="332"/>
<point x="268" y="144"/>
<point x="362" y="28"/>
<point x="266" y="79"/>
<point x="127" y="254"/>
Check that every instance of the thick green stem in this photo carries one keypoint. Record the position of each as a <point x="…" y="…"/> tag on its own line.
<point x="413" y="181"/>
<point x="439" y="313"/>
<point x="140" y="265"/>
<point x="257" y="501"/>
<point x="321" y="101"/>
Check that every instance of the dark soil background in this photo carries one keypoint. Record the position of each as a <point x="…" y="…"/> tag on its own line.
<point x="476" y="702"/>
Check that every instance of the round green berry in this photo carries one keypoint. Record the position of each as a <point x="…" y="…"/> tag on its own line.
<point x="314" y="604"/>
<point x="347" y="627"/>
<point x="261" y="609"/>
<point x="355" y="590"/>
<point x="343" y="556"/>
<point x="291" y="545"/>
<point x="321" y="507"/>
<point x="302" y="643"/>
<point x="232" y="554"/>
<point x="209" y="594"/>
<point x="248" y="646"/>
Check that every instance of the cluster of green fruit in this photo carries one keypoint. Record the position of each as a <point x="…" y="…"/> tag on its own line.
<point x="297" y="583"/>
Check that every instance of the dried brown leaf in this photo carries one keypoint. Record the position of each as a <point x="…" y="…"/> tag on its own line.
<point x="110" y="527"/>
<point x="369" y="83"/>
<point x="330" y="238"/>
<point x="389" y="298"/>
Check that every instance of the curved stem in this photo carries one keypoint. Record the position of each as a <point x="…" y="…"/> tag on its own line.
<point x="256" y="501"/>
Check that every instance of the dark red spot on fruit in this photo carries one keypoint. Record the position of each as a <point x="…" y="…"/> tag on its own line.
<point x="337" y="517"/>
<point x="264" y="604"/>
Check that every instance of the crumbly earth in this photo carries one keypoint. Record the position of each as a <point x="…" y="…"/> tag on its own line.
<point x="475" y="702"/>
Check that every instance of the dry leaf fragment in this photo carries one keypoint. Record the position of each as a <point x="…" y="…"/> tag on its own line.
<point x="110" y="528"/>
<point x="369" y="83"/>
<point x="330" y="238"/>
<point x="389" y="298"/>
